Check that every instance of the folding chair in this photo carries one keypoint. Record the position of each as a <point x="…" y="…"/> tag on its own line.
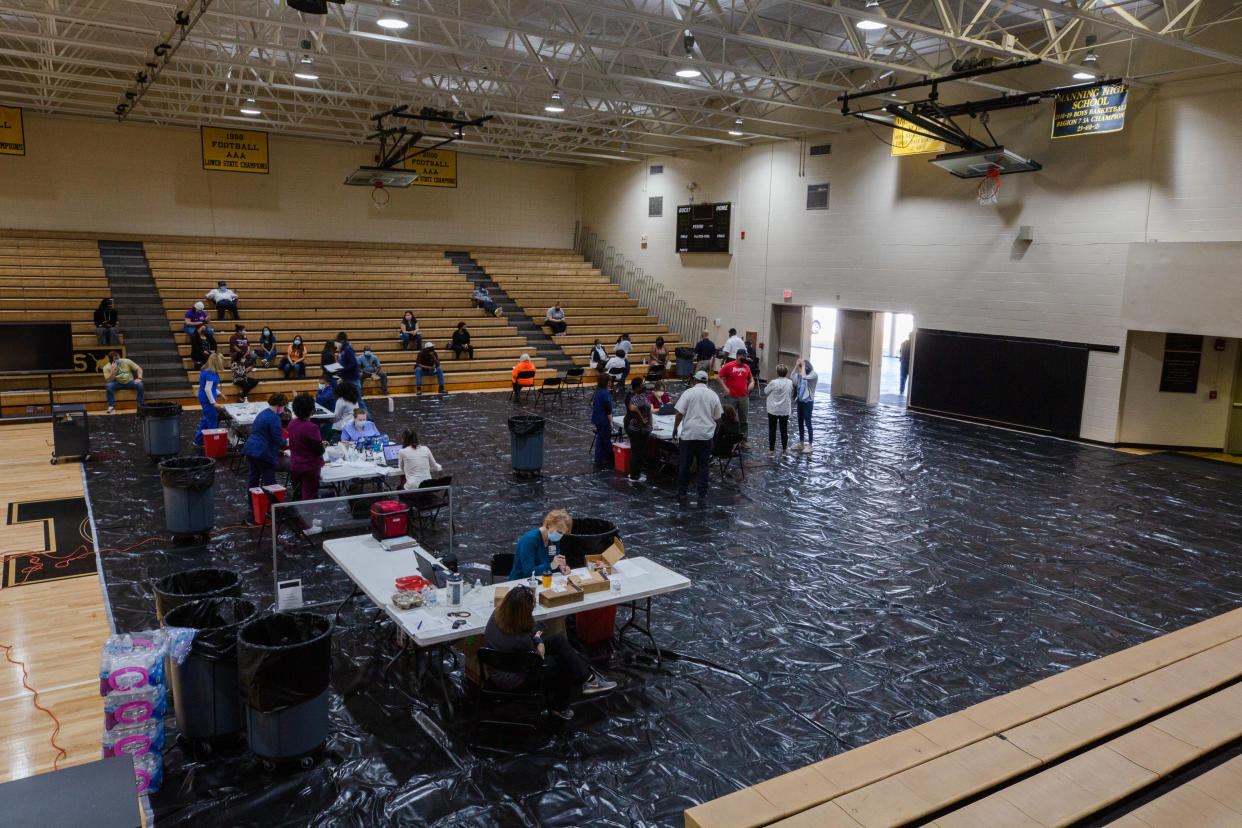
<point x="724" y="451"/>
<point x="502" y="565"/>
<point x="551" y="388"/>
<point x="616" y="374"/>
<point x="523" y="388"/>
<point x="530" y="692"/>
<point x="573" y="379"/>
<point x="427" y="505"/>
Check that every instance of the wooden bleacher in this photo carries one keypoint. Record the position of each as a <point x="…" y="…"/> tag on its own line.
<point x="51" y="277"/>
<point x="315" y="289"/>
<point x="595" y="308"/>
<point x="1061" y="750"/>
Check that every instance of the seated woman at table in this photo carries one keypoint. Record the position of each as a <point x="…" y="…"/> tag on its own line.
<point x="359" y="428"/>
<point x="343" y="411"/>
<point x="306" y="447"/>
<point x="512" y="629"/>
<point x="659" y="396"/>
<point x="415" y="462"/>
<point x="533" y="555"/>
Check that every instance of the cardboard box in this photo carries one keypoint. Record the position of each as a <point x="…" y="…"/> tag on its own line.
<point x="594" y="582"/>
<point x="499" y="597"/>
<point x="611" y="555"/>
<point x="571" y="595"/>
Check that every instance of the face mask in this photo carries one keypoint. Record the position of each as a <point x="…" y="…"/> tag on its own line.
<point x="297" y="342"/>
<point x="280" y="410"/>
<point x="554" y="536"/>
<point x="337" y="345"/>
<point x="322" y="386"/>
<point x="359" y="423"/>
<point x="366" y="350"/>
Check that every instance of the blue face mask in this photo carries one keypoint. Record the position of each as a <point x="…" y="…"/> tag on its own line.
<point x="554" y="536"/>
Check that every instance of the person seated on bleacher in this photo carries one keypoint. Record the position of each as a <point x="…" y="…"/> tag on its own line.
<point x="624" y="344"/>
<point x="239" y="344"/>
<point x="295" y="360"/>
<point x="618" y="368"/>
<point x="599" y="356"/>
<point x="410" y="334"/>
<point x="359" y="427"/>
<point x="704" y="353"/>
<point x="555" y="319"/>
<point x="343" y="409"/>
<point x="659" y="396"/>
<point x="202" y="345"/>
<point x="369" y="367"/>
<point x="484" y="301"/>
<point x="209" y="393"/>
<point x="264" y="445"/>
<point x="428" y="362"/>
<point x="461" y="342"/>
<point x="657" y="357"/>
<point x="196" y="318"/>
<point x="224" y="299"/>
<point x="415" y="462"/>
<point x="241" y="375"/>
<point x="524" y="365"/>
<point x="267" y="347"/>
<point x="306" y="446"/>
<point x="121" y="373"/>
<point x="512" y="629"/>
<point x="105" y="324"/>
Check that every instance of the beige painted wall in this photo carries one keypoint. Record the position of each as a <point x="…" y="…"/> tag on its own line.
<point x="1150" y="417"/>
<point x="101" y="176"/>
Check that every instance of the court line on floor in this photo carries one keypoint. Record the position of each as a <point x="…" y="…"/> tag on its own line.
<point x="43" y="690"/>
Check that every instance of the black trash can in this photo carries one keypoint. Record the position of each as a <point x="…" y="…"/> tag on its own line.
<point x="526" y="443"/>
<point x="161" y="428"/>
<point x="685" y="361"/>
<point x="284" y="664"/>
<point x="591" y="536"/>
<point x="188" y="504"/>
<point x="204" y="685"/>
<point x="179" y="588"/>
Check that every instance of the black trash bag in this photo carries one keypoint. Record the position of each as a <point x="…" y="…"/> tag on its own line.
<point x="525" y="424"/>
<point x="160" y="409"/>
<point x="197" y="473"/>
<point x="590" y="536"/>
<point x="284" y="659"/>
<point x="217" y="621"/>
<point x="179" y="588"/>
<point x="684" y="353"/>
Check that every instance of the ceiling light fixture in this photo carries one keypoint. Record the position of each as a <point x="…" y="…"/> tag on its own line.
<point x="737" y="128"/>
<point x="391" y="20"/>
<point x="306" y="69"/>
<point x="873" y="6"/>
<point x="250" y="108"/>
<point x="554" y="105"/>
<point x="688" y="70"/>
<point x="1090" y="63"/>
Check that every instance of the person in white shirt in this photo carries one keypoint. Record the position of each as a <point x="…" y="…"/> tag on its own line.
<point x="624" y="344"/>
<point x="698" y="409"/>
<point x="618" y="367"/>
<point x="555" y="319"/>
<point x="779" y="393"/>
<point x="414" y="461"/>
<point x="343" y="413"/>
<point x="224" y="299"/>
<point x="359" y="428"/>
<point x="734" y="344"/>
<point x="598" y="356"/>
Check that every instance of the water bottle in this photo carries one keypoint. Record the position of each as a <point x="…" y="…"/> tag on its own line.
<point x="454" y="589"/>
<point x="433" y="599"/>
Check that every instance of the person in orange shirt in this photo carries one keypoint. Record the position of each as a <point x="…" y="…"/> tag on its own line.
<point x="524" y="364"/>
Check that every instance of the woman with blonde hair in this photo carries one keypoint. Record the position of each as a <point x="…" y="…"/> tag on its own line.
<point x="512" y="629"/>
<point x="538" y="551"/>
<point x="209" y="393"/>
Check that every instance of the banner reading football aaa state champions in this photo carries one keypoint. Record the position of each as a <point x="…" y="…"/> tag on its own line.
<point x="1089" y="111"/>
<point x="12" y="137"/>
<point x="234" y="150"/>
<point x="436" y="168"/>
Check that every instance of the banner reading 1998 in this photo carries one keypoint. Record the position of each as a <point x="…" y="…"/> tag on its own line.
<point x="12" y="136"/>
<point x="234" y="150"/>
<point x="1093" y="111"/>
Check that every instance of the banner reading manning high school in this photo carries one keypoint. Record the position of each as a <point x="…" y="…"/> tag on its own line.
<point x="436" y="168"/>
<point x="234" y="150"/>
<point x="12" y="137"/>
<point x="1089" y="111"/>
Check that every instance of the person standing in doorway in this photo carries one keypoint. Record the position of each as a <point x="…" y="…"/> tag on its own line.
<point x="779" y="397"/>
<point x="738" y="382"/>
<point x="804" y="381"/>
<point x="698" y="409"/>
<point x="903" y="360"/>
<point x="601" y="418"/>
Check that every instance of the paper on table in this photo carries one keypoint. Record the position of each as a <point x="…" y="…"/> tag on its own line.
<point x="628" y="568"/>
<point x="423" y="621"/>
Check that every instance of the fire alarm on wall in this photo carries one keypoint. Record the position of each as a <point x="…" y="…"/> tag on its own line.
<point x="743" y="234"/>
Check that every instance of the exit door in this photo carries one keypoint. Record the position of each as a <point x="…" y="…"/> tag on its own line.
<point x="790" y="337"/>
<point x="857" y="355"/>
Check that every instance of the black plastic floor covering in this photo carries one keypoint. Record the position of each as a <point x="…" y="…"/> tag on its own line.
<point x="912" y="567"/>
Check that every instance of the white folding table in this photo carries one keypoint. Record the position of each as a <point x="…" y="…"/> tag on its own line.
<point x="243" y="414"/>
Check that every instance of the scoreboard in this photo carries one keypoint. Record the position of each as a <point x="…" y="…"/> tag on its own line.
<point x="703" y="228"/>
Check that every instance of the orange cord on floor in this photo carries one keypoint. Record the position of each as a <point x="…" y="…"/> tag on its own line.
<point x="61" y="753"/>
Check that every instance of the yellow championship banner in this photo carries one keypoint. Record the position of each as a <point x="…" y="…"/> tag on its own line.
<point x="436" y="168"/>
<point x="235" y="150"/>
<point x="12" y="137"/>
<point x="908" y="143"/>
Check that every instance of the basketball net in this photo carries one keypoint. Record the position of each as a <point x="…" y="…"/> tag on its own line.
<point x="989" y="188"/>
<point x="380" y="196"/>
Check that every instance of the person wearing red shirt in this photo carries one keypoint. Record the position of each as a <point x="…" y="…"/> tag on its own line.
<point x="737" y="382"/>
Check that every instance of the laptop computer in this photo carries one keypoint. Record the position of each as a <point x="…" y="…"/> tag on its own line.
<point x="433" y="572"/>
<point x="390" y="454"/>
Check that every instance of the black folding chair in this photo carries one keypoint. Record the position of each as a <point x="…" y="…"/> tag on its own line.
<point x="616" y="374"/>
<point x="502" y="565"/>
<point x="550" y="388"/>
<point x="725" y="450"/>
<point x="524" y="388"/>
<point x="530" y="692"/>
<point x="573" y="379"/>
<point x="426" y="506"/>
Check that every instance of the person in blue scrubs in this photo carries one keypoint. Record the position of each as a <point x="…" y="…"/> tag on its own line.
<point x="209" y="393"/>
<point x="538" y="550"/>
<point x="601" y="418"/>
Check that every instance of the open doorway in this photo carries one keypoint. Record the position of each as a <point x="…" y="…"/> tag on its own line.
<point x="897" y="328"/>
<point x="823" y="335"/>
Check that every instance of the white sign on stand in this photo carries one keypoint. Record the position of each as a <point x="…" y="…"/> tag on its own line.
<point x="289" y="594"/>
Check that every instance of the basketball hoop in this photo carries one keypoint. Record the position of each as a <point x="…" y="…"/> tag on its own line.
<point x="380" y="196"/>
<point x="989" y="187"/>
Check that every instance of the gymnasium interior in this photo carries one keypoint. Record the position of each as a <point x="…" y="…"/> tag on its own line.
<point x="994" y="582"/>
